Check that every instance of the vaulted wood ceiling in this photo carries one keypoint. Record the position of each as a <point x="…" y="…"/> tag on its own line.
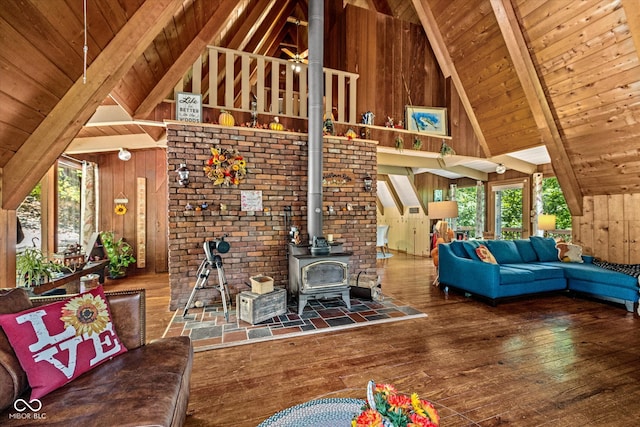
<point x="559" y="73"/>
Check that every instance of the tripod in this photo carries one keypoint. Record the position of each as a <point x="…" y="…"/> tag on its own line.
<point x="212" y="261"/>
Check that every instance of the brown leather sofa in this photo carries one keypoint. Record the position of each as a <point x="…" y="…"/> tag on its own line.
<point x="146" y="386"/>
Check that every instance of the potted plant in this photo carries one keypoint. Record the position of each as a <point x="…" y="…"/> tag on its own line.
<point x="119" y="252"/>
<point x="33" y="268"/>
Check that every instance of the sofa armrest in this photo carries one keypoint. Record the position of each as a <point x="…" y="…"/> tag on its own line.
<point x="127" y="312"/>
<point x="467" y="274"/>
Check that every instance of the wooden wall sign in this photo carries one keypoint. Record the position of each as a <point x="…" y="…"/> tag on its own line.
<point x="141" y="225"/>
<point x="189" y="107"/>
<point x="342" y="179"/>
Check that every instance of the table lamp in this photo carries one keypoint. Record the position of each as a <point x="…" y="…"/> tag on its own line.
<point x="546" y="223"/>
<point x="443" y="210"/>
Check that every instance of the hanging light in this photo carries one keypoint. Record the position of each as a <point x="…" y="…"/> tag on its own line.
<point x="500" y="169"/>
<point x="124" y="154"/>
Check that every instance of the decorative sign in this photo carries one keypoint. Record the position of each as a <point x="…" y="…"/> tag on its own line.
<point x="141" y="227"/>
<point x="343" y="179"/>
<point x="251" y="200"/>
<point x="189" y="107"/>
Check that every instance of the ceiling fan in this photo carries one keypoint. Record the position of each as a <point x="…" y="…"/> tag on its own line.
<point x="297" y="57"/>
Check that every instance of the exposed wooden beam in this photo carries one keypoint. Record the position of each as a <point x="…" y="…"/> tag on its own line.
<point x="384" y="169"/>
<point x="254" y="19"/>
<point x="210" y="31"/>
<point x="537" y="100"/>
<point x="268" y="27"/>
<point x="447" y="66"/>
<point x="515" y="164"/>
<point x="56" y="131"/>
<point x="394" y="162"/>
<point x="242" y="38"/>
<point x="392" y="192"/>
<point x="380" y="206"/>
<point x="632" y="10"/>
<point x="416" y="192"/>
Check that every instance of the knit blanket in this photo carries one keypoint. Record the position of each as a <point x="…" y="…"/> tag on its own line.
<point x="630" y="269"/>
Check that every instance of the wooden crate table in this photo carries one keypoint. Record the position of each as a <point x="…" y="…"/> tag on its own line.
<point x="255" y="308"/>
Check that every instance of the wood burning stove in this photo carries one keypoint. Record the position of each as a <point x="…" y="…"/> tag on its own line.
<point x="318" y="276"/>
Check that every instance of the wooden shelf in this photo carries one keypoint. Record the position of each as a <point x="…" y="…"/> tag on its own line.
<point x="406" y="131"/>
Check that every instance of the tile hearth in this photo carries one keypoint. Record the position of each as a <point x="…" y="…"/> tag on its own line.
<point x="208" y="329"/>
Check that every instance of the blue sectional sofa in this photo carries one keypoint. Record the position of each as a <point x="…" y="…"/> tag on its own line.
<point x="528" y="266"/>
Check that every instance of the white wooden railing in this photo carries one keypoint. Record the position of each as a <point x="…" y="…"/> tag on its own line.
<point x="239" y="87"/>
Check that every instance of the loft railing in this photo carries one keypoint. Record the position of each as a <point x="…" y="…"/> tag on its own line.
<point x="234" y="80"/>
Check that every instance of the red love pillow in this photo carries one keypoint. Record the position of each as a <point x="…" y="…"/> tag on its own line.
<point x="56" y="343"/>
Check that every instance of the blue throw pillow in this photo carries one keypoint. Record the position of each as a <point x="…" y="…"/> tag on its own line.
<point x="458" y="249"/>
<point x="545" y="248"/>
<point x="527" y="253"/>
<point x="504" y="251"/>
<point x="470" y="247"/>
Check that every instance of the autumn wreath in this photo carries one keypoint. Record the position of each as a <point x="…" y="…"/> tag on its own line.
<point x="225" y="167"/>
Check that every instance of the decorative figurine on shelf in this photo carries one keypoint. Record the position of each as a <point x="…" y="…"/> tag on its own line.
<point x="328" y="125"/>
<point x="254" y="111"/>
<point x="367" y="118"/>
<point x="389" y="122"/>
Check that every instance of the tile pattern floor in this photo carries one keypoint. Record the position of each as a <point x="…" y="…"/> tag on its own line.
<point x="208" y="329"/>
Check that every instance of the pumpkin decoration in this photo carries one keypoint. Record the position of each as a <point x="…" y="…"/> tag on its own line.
<point x="276" y="125"/>
<point x="226" y="119"/>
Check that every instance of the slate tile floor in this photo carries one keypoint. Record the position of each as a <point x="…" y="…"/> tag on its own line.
<point x="208" y="329"/>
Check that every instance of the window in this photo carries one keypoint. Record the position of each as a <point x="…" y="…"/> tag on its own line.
<point x="65" y="211"/>
<point x="554" y="203"/>
<point x="30" y="216"/>
<point x="508" y="224"/>
<point x="467" y="210"/>
<point x="68" y="204"/>
<point x="508" y="207"/>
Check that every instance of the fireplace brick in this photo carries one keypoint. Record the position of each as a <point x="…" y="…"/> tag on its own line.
<point x="277" y="165"/>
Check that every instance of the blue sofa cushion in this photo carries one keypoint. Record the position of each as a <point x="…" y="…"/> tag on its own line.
<point x="505" y="251"/>
<point x="541" y="271"/>
<point x="545" y="248"/>
<point x="470" y="247"/>
<point x="458" y="249"/>
<point x="525" y="248"/>
<point x="515" y="276"/>
<point x="593" y="273"/>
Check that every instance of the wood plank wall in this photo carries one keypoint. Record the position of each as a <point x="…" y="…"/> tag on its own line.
<point x="118" y="177"/>
<point x="396" y="64"/>
<point x="610" y="227"/>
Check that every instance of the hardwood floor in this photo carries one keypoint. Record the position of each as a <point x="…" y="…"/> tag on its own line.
<point x="547" y="360"/>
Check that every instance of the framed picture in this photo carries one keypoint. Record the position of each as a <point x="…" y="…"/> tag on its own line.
<point x="426" y="119"/>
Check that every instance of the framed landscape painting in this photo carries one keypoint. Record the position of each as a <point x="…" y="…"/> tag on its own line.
<point x="426" y="119"/>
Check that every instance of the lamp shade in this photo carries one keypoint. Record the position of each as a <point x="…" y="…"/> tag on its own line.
<point x="546" y="222"/>
<point x="441" y="210"/>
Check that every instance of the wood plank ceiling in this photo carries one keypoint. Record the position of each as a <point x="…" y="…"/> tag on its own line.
<point x="564" y="74"/>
